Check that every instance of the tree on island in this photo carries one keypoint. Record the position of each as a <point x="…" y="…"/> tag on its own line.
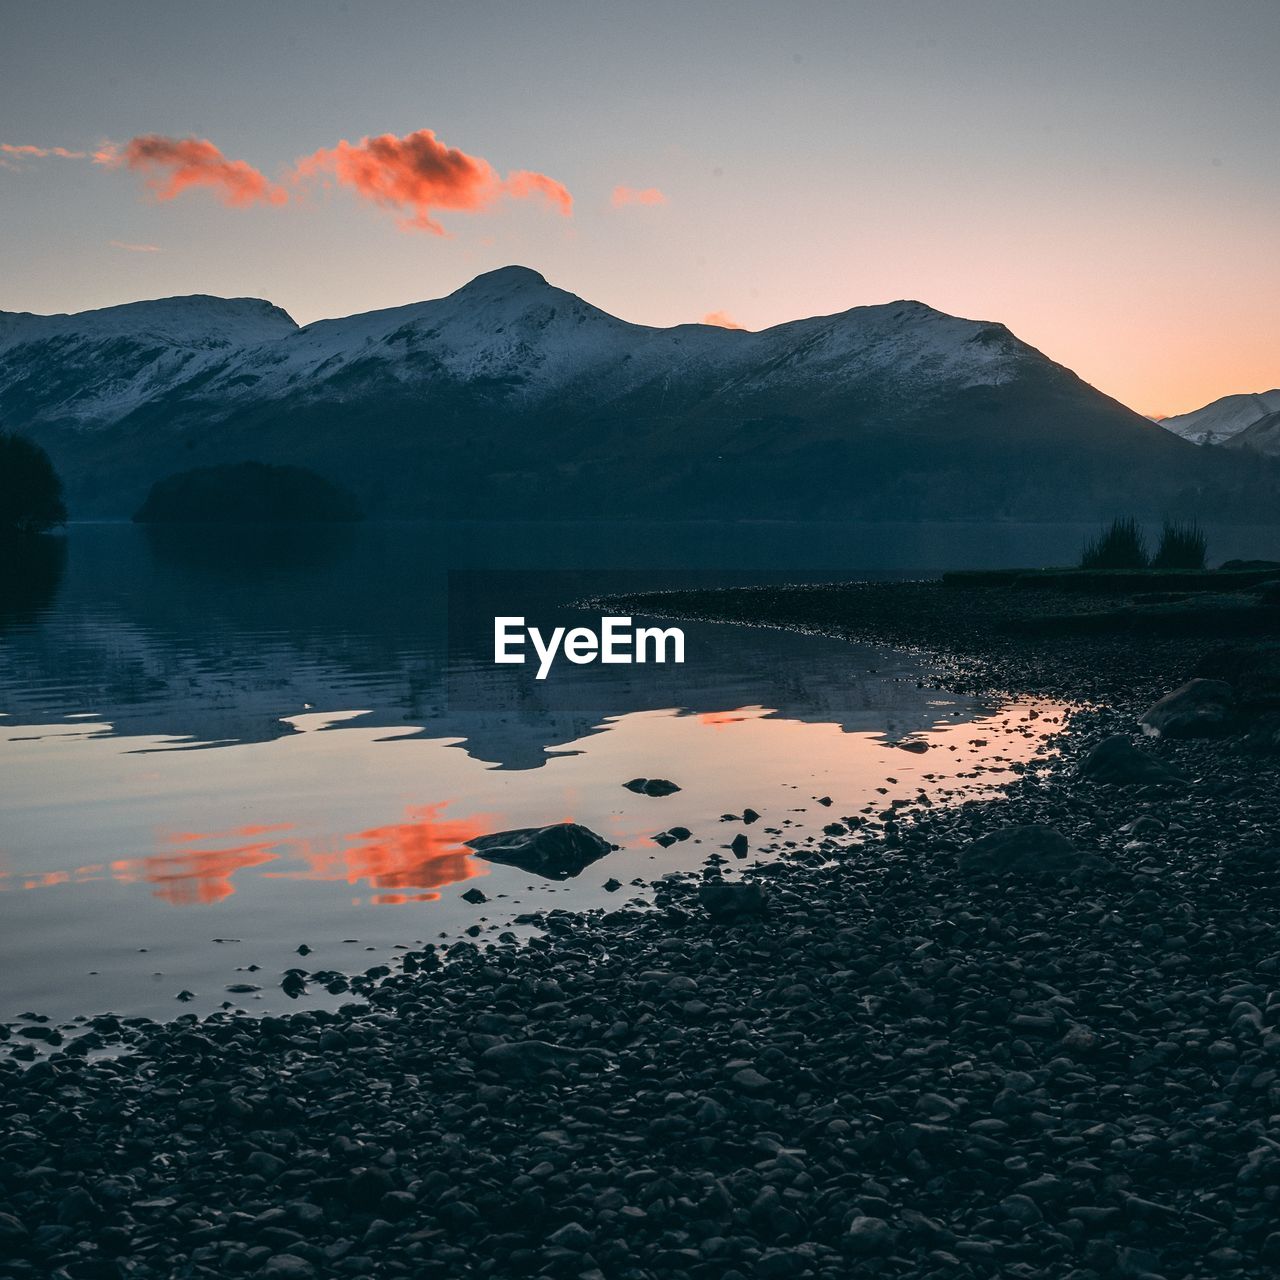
<point x="246" y="493"/>
<point x="30" y="489"/>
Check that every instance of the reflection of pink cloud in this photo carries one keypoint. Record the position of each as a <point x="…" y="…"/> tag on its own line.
<point x="426" y="851"/>
<point x="636" y="195"/>
<point x="419" y="175"/>
<point x="175" y="165"/>
<point x="722" y="319"/>
<point x="186" y="876"/>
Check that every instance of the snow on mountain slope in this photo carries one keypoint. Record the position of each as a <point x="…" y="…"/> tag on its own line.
<point x="1222" y="419"/>
<point x="1262" y="436"/>
<point x="507" y="330"/>
<point x="198" y="321"/>
<point x="96" y="367"/>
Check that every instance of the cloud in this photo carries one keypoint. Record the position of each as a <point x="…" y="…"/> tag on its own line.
<point x="418" y="175"/>
<point x="722" y="319"/>
<point x="175" y="165"/>
<point x="636" y="195"/>
<point x="135" y="248"/>
<point x="28" y="152"/>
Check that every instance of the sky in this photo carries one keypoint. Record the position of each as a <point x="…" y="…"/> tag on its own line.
<point x="1102" y="177"/>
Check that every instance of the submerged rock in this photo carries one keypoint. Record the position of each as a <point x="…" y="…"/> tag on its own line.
<point x="672" y="835"/>
<point x="1033" y="849"/>
<point x="1198" y="709"/>
<point x="1117" y="761"/>
<point x="559" y="851"/>
<point x="651" y="786"/>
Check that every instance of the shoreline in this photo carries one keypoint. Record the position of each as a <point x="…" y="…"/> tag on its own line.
<point x="896" y="1067"/>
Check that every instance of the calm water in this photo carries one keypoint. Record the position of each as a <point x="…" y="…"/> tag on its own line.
<point x="214" y="749"/>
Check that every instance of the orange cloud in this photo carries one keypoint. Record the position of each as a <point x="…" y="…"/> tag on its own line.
<point x="174" y="165"/>
<point x="418" y="175"/>
<point x="722" y="319"/>
<point x="637" y="195"/>
<point x="135" y="248"/>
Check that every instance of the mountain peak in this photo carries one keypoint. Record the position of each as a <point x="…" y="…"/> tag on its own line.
<point x="510" y="279"/>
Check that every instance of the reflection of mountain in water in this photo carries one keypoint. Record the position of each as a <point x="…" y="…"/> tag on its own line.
<point x="207" y="637"/>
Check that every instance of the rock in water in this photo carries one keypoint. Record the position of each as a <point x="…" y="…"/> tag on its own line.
<point x="559" y="851"/>
<point x="1118" y="761"/>
<point x="727" y="902"/>
<point x="1199" y="709"/>
<point x="1028" y="850"/>
<point x="651" y="786"/>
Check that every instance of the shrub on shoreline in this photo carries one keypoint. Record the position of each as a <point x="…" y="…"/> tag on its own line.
<point x="1122" y="546"/>
<point x="1183" y="545"/>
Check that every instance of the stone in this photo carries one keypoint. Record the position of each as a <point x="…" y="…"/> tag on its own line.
<point x="1032" y="849"/>
<point x="727" y="902"/>
<point x="651" y="786"/>
<point x="557" y="852"/>
<point x="1117" y="761"/>
<point x="868" y="1236"/>
<point x="1198" y="709"/>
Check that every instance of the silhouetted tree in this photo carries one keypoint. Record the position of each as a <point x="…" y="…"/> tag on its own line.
<point x="30" y="490"/>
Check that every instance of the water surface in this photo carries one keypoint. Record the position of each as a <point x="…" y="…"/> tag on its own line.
<point x="216" y="747"/>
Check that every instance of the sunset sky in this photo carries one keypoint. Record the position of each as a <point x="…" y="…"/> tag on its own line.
<point x="1102" y="176"/>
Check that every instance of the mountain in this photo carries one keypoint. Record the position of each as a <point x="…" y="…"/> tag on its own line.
<point x="1225" y="419"/>
<point x="1261" y="436"/>
<point x="512" y="398"/>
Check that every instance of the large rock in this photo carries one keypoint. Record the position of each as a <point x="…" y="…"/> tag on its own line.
<point x="559" y="851"/>
<point x="526" y="1057"/>
<point x="1117" y="761"/>
<point x="729" y="902"/>
<point x="1200" y="708"/>
<point x="1033" y="849"/>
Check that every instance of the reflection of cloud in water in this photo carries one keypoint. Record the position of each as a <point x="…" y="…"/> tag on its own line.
<point x="426" y="851"/>
<point x="190" y="877"/>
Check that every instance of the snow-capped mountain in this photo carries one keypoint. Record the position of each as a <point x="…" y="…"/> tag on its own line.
<point x="510" y="396"/>
<point x="1223" y="419"/>
<point x="509" y="326"/>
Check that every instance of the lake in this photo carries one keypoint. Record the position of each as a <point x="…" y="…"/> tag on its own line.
<point x="217" y="747"/>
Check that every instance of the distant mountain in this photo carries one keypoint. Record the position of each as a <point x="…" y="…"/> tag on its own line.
<point x="511" y="398"/>
<point x="1224" y="420"/>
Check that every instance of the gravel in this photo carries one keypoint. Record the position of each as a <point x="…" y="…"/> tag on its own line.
<point x="864" y="1063"/>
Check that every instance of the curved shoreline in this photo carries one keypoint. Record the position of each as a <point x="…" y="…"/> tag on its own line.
<point x="895" y="1068"/>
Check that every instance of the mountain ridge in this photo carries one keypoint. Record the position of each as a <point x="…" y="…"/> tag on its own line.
<point x="1227" y="420"/>
<point x="513" y="396"/>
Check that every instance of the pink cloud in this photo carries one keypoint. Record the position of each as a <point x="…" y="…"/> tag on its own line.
<point x="135" y="248"/>
<point x="721" y="319"/>
<point x="418" y="175"/>
<point x="175" y="165"/>
<point x="26" y="151"/>
<point x="636" y="195"/>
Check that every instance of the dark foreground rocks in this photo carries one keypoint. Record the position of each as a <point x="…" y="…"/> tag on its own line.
<point x="1199" y="708"/>
<point x="1030" y="850"/>
<point x="1115" y="760"/>
<point x="862" y="1063"/>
